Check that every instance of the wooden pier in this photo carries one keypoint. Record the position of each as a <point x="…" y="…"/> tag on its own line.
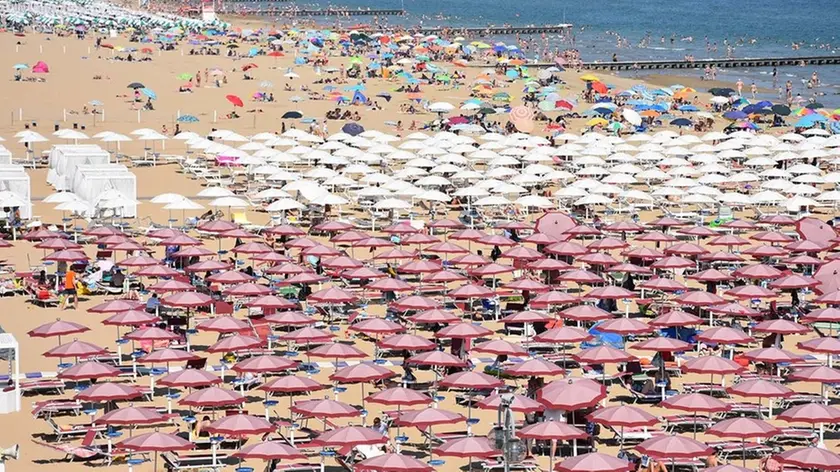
<point x="483" y="31"/>
<point x="287" y="12"/>
<point x="745" y="62"/>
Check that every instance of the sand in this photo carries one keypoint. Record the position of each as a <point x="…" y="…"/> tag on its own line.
<point x="70" y="86"/>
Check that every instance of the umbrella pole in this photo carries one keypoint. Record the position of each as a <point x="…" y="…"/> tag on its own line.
<point x="364" y="412"/>
<point x="694" y="425"/>
<point x="744" y="451"/>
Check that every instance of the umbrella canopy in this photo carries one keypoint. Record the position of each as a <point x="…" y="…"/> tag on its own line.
<point x="240" y="425"/>
<point x="467" y="447"/>
<point x="270" y="450"/>
<point x="810" y="458"/>
<point x="676" y="447"/>
<point x="324" y="409"/>
<point x="156" y="442"/>
<point x="594" y="462"/>
<point x="571" y="394"/>
<point x="349" y="436"/>
<point x="393" y="463"/>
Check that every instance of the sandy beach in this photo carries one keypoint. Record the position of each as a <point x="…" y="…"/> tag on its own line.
<point x="81" y="74"/>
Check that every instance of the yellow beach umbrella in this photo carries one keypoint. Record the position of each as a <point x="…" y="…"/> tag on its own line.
<point x="589" y="78"/>
<point x="597" y="122"/>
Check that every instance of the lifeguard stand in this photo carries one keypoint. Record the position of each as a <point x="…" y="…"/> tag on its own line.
<point x="10" y="397"/>
<point x="208" y="11"/>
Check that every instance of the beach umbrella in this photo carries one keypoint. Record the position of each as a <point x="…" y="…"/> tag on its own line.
<point x="156" y="442"/>
<point x="553" y="431"/>
<point x="349" y="436"/>
<point x="190" y="378"/>
<point x="623" y="416"/>
<point x="131" y="318"/>
<point x="234" y="100"/>
<point x="108" y="392"/>
<point x="240" y="425"/>
<point x="212" y="397"/>
<point x="89" y="370"/>
<point x="131" y="415"/>
<point x="324" y="409"/>
<point x="270" y="450"/>
<point x="695" y="403"/>
<point x="264" y="364"/>
<point x="743" y="429"/>
<point x="810" y="458"/>
<point x="57" y="328"/>
<point x="594" y="462"/>
<point x="463" y="331"/>
<point x="571" y="394"/>
<point x="391" y="462"/>
<point x="234" y="343"/>
<point x="75" y="349"/>
<point x="408" y="342"/>
<point x="468" y="447"/>
<point x="674" y="447"/>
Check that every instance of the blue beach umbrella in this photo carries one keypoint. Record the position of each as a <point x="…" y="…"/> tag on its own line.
<point x="149" y="93"/>
<point x="187" y="119"/>
<point x="809" y="120"/>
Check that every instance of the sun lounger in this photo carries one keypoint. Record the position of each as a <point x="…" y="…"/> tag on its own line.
<point x="299" y="467"/>
<point x="737" y="449"/>
<point x="173" y="461"/>
<point x="634" y="435"/>
<point x="745" y="409"/>
<point x="42" y="386"/>
<point x="439" y="437"/>
<point x="801" y="398"/>
<point x="676" y="423"/>
<point x="794" y="436"/>
<point x="715" y="390"/>
<point x="491" y="465"/>
<point x="50" y="408"/>
<point x="72" y="431"/>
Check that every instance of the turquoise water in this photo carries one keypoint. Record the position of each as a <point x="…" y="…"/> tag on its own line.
<point x="754" y="28"/>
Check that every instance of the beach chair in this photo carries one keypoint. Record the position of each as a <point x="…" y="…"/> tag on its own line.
<point x="634" y="435"/>
<point x="42" y="386"/>
<point x="72" y="431"/>
<point x="440" y="437"/>
<point x="794" y="436"/>
<point x="173" y="461"/>
<point x="73" y="452"/>
<point x="51" y="408"/>
<point x="298" y="467"/>
<point x="675" y="423"/>
<point x="348" y="457"/>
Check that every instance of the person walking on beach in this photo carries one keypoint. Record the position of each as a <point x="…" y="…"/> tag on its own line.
<point x="739" y="85"/>
<point x="70" y="290"/>
<point x="753" y="90"/>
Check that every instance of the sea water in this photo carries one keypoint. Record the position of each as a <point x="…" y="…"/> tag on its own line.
<point x="654" y="29"/>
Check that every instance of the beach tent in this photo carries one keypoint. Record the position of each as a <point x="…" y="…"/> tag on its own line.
<point x="64" y="158"/>
<point x="358" y="97"/>
<point x="40" y="67"/>
<point x="5" y="156"/>
<point x="13" y="178"/>
<point x="89" y="182"/>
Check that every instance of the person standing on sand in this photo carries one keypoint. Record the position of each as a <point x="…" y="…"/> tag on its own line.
<point x="753" y="90"/>
<point x="70" y="290"/>
<point x="739" y="85"/>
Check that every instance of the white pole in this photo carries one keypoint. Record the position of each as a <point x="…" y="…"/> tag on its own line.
<point x="178" y="115"/>
<point x="64" y="49"/>
<point x="138" y="116"/>
<point x="103" y="120"/>
<point x="41" y="48"/>
<point x="214" y="116"/>
<point x="88" y="50"/>
<point x="17" y="378"/>
<point x="20" y="114"/>
<point x="65" y="115"/>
